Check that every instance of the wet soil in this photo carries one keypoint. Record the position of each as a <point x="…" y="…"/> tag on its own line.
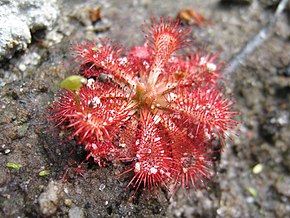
<point x="53" y="180"/>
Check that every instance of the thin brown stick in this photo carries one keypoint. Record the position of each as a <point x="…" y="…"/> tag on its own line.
<point x="256" y="41"/>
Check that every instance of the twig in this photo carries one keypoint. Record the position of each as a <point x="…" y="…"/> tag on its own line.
<point x="256" y="41"/>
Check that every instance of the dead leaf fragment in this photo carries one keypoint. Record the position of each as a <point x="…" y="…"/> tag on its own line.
<point x="95" y="14"/>
<point x="192" y="17"/>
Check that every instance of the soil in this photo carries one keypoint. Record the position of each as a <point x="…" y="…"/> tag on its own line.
<point x="53" y="179"/>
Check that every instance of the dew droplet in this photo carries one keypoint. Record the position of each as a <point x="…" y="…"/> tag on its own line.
<point x="137" y="167"/>
<point x="123" y="145"/>
<point x="211" y="66"/>
<point x="153" y="170"/>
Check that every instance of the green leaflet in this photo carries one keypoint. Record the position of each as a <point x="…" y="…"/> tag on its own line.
<point x="73" y="82"/>
<point x="44" y="172"/>
<point x="14" y="166"/>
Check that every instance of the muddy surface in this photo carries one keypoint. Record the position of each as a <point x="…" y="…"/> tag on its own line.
<point x="47" y="176"/>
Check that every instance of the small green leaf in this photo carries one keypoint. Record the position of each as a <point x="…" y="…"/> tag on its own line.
<point x="258" y="168"/>
<point x="252" y="191"/>
<point x="14" y="166"/>
<point x="44" y="172"/>
<point x="73" y="82"/>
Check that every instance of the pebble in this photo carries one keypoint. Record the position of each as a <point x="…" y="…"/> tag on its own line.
<point x="48" y="200"/>
<point x="76" y="212"/>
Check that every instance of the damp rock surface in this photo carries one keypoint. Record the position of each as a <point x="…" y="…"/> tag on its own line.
<point x="19" y="19"/>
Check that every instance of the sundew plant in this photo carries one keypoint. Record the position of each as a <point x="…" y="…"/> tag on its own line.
<point x="161" y="112"/>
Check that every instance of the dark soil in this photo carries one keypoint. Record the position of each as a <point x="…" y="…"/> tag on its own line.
<point x="73" y="188"/>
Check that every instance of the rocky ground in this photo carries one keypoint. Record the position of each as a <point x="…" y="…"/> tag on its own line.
<point x="40" y="176"/>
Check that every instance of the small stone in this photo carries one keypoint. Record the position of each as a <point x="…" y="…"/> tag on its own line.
<point x="7" y="151"/>
<point x="102" y="26"/>
<point x="48" y="200"/>
<point x="68" y="202"/>
<point x="102" y="187"/>
<point x="76" y="212"/>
